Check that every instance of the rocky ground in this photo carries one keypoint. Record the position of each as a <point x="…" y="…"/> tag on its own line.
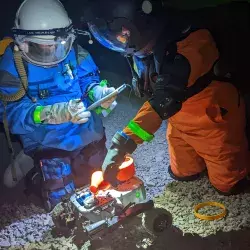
<point x="26" y="226"/>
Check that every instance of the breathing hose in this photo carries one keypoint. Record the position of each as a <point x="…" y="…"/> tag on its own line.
<point x="12" y="98"/>
<point x="23" y="78"/>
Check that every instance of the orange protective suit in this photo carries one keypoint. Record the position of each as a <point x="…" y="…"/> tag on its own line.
<point x="209" y="130"/>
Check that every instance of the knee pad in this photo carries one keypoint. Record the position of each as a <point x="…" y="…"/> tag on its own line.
<point x="57" y="179"/>
<point x="185" y="178"/>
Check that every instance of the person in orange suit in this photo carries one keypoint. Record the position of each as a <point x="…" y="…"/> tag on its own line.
<point x="176" y="65"/>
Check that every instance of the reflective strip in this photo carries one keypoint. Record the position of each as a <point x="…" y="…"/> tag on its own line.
<point x="98" y="110"/>
<point x="103" y="83"/>
<point x="141" y="133"/>
<point x="91" y="95"/>
<point x="37" y="114"/>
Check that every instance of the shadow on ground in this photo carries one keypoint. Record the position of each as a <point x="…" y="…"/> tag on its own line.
<point x="237" y="240"/>
<point x="132" y="236"/>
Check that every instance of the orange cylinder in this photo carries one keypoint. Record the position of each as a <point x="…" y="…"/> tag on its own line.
<point x="126" y="170"/>
<point x="97" y="182"/>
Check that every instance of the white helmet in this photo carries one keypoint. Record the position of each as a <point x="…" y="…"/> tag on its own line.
<point x="43" y="31"/>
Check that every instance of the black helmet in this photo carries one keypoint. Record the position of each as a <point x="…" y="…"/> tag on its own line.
<point x="126" y="26"/>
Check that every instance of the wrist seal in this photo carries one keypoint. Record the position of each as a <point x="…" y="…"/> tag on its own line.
<point x="123" y="142"/>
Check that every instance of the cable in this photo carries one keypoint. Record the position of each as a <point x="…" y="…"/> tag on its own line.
<point x="85" y="33"/>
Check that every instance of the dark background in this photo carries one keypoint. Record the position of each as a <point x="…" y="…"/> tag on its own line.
<point x="230" y="24"/>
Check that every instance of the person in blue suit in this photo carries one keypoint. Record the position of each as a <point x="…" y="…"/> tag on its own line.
<point x="51" y="120"/>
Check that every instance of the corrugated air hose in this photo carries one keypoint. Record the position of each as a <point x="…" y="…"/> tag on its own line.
<point x="22" y="91"/>
<point x="23" y="79"/>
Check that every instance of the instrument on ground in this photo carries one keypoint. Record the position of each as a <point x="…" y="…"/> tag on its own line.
<point x="98" y="209"/>
<point x="210" y="217"/>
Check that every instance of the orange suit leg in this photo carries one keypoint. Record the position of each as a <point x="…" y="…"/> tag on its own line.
<point x="184" y="161"/>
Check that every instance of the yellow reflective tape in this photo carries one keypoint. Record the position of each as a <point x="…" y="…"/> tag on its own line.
<point x="37" y="114"/>
<point x="140" y="132"/>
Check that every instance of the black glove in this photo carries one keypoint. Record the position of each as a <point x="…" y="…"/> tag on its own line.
<point x="121" y="145"/>
<point x="110" y="167"/>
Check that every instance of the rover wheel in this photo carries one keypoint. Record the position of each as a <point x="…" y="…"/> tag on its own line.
<point x="156" y="220"/>
<point x="99" y="245"/>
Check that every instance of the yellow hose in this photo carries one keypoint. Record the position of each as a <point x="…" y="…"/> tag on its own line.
<point x="23" y="79"/>
<point x="12" y="98"/>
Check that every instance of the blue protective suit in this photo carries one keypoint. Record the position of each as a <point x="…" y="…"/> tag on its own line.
<point x="49" y="86"/>
<point x="61" y="88"/>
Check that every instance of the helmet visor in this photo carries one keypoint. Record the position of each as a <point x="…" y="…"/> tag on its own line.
<point x="46" y="52"/>
<point x="114" y="40"/>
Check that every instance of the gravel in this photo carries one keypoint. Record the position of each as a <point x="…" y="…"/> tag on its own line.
<point x="23" y="224"/>
<point x="28" y="227"/>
